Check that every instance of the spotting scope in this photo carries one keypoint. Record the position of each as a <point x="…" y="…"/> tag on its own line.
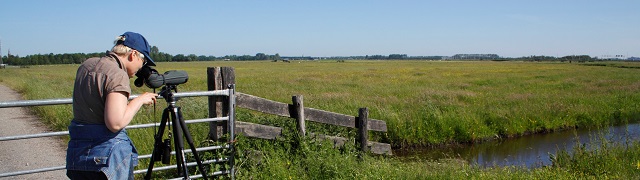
<point x="152" y="79"/>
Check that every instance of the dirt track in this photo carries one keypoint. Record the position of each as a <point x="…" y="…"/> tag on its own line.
<point x="27" y="154"/>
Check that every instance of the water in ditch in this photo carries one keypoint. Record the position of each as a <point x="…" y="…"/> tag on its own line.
<point x="529" y="151"/>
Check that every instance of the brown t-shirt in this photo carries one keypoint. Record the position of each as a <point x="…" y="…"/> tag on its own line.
<point x="95" y="79"/>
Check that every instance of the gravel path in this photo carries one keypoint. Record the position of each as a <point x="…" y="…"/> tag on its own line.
<point x="27" y="154"/>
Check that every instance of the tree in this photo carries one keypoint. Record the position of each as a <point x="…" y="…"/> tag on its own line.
<point x="202" y="58"/>
<point x="192" y="57"/>
<point x="397" y="56"/>
<point x="261" y="56"/>
<point x="154" y="50"/>
<point x="179" y="57"/>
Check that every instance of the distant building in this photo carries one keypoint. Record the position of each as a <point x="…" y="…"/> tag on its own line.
<point x="612" y="57"/>
<point x="633" y="58"/>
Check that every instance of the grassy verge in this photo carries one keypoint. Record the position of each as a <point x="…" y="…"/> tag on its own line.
<point x="311" y="160"/>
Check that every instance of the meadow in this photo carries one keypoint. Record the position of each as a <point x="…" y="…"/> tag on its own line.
<point x="425" y="103"/>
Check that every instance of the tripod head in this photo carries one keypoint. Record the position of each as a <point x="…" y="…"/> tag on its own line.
<point x="167" y="93"/>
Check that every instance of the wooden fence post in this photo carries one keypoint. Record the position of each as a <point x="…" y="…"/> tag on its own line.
<point x="361" y="124"/>
<point x="218" y="78"/>
<point x="299" y="108"/>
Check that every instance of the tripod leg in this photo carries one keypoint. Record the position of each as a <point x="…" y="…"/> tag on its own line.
<point x="185" y="130"/>
<point x="181" y="162"/>
<point x="157" y="139"/>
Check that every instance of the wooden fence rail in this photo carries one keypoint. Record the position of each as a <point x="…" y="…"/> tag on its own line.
<point x="296" y="110"/>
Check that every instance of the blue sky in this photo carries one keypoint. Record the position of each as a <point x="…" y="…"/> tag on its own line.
<point x="327" y="28"/>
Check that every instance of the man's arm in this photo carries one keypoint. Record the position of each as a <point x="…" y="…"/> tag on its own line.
<point x="118" y="112"/>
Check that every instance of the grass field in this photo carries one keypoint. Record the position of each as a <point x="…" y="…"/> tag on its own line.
<point x="423" y="102"/>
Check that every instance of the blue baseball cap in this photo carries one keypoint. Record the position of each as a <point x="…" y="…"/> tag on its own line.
<point x="139" y="43"/>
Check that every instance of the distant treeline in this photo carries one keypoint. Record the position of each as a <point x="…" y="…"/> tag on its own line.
<point x="471" y="57"/>
<point x="577" y="58"/>
<point x="77" y="58"/>
<point x="389" y="57"/>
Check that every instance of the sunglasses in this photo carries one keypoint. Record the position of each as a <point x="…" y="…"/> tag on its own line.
<point x="140" y="55"/>
<point x="144" y="61"/>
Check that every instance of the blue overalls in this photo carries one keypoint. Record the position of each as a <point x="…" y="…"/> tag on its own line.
<point x="93" y="147"/>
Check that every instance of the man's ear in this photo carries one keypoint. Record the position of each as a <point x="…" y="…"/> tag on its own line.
<point x="130" y="57"/>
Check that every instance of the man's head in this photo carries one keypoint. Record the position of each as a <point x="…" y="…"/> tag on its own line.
<point x="137" y="42"/>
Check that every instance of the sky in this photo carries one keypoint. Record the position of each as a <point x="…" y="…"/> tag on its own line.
<point x="509" y="28"/>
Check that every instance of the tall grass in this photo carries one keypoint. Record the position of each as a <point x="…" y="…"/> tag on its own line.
<point x="423" y="103"/>
<point x="605" y="159"/>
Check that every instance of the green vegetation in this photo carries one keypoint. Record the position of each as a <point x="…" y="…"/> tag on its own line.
<point x="320" y="161"/>
<point x="423" y="102"/>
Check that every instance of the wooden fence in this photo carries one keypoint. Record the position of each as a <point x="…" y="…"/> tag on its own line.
<point x="219" y="76"/>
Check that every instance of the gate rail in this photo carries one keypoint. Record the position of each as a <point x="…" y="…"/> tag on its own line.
<point x="230" y="92"/>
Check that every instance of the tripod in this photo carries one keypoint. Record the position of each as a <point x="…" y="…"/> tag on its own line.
<point x="179" y="129"/>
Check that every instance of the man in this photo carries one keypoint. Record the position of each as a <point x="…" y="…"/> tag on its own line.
<point x="99" y="147"/>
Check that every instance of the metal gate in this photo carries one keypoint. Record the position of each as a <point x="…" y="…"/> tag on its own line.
<point x="230" y="93"/>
